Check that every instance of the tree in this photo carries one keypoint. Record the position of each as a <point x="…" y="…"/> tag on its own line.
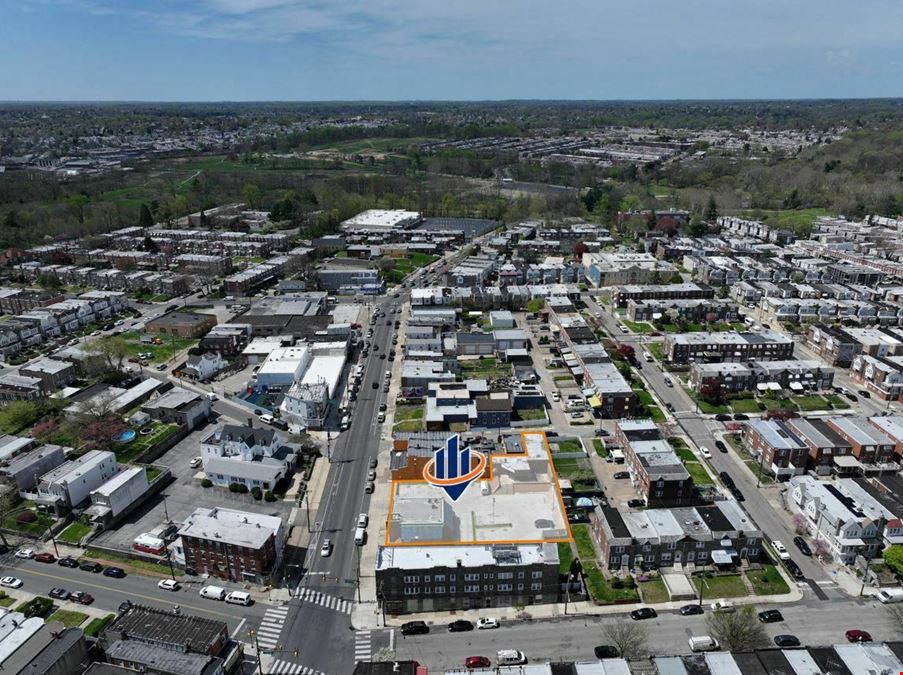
<point x="250" y="194"/>
<point x="739" y="631"/>
<point x="697" y="228"/>
<point x="50" y="282"/>
<point x="150" y="245"/>
<point x="579" y="249"/>
<point x="893" y="557"/>
<point x="626" y="351"/>
<point x="145" y="218"/>
<point x="711" y="210"/>
<point x="629" y="203"/>
<point x="77" y="204"/>
<point x="712" y="392"/>
<point x="100" y="432"/>
<point x="629" y="637"/>
<point x="821" y="549"/>
<point x="112" y="348"/>
<point x="536" y="305"/>
<point x="799" y="523"/>
<point x="18" y="415"/>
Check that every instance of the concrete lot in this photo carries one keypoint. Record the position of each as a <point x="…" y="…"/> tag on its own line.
<point x="618" y="491"/>
<point x="184" y="495"/>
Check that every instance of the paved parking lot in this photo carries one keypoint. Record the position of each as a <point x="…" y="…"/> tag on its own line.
<point x="184" y="495"/>
<point x="618" y="491"/>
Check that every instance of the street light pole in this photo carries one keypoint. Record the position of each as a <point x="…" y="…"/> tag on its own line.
<point x="868" y="562"/>
<point x="253" y="634"/>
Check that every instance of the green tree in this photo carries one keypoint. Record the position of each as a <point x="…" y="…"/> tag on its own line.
<point x="893" y="557"/>
<point x="536" y="305"/>
<point x="112" y="349"/>
<point x="77" y="204"/>
<point x="711" y="210"/>
<point x="697" y="227"/>
<point x="629" y="203"/>
<point x="250" y="194"/>
<point x="19" y="415"/>
<point x="145" y="218"/>
<point x="50" y="282"/>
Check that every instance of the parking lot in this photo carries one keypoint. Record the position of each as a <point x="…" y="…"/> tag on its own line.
<point x="184" y="495"/>
<point x="619" y="490"/>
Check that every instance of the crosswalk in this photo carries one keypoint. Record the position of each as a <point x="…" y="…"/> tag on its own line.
<point x="362" y="645"/>
<point x="324" y="600"/>
<point x="271" y="627"/>
<point x="279" y="667"/>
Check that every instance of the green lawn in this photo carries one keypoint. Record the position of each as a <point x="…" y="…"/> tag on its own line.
<point x="37" y="526"/>
<point x="74" y="533"/>
<point x="485" y="368"/>
<point x="798" y="220"/>
<point x="6" y="600"/>
<point x="152" y="472"/>
<point x="699" y="473"/>
<point x="654" y="591"/>
<point x="529" y="414"/>
<point x="767" y="581"/>
<point x="161" y="352"/>
<point x="729" y="586"/>
<point x="600" y="447"/>
<point x="94" y="628"/>
<point x="601" y="588"/>
<point x="408" y="418"/>
<point x="657" y="350"/>
<point x="642" y="327"/>
<point x="584" y="541"/>
<point x="809" y="403"/>
<point x="733" y="440"/>
<point x="685" y="454"/>
<point x="404" y="266"/>
<point x="570" y="445"/>
<point x="565" y="557"/>
<point x="745" y="405"/>
<point x="126" y="452"/>
<point x="125" y="561"/>
<point x="837" y="402"/>
<point x="705" y="406"/>
<point x="655" y="413"/>
<point x="68" y="618"/>
<point x="677" y="442"/>
<point x="574" y="469"/>
<point x="777" y="404"/>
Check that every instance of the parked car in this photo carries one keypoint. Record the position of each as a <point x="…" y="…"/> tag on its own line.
<point x="852" y="635"/>
<point x="168" y="585"/>
<point x="196" y="462"/>
<point x="606" y="652"/>
<point x="643" y="613"/>
<point x="864" y="394"/>
<point x="723" y="417"/>
<point x="25" y="553"/>
<point x="784" y="641"/>
<point x="794" y="569"/>
<point x="741" y="417"/>
<point x="668" y="382"/>
<point x="81" y="597"/>
<point x="705" y="452"/>
<point x="619" y="475"/>
<point x="414" y="628"/>
<point x="691" y="610"/>
<point x="372" y="462"/>
<point x="91" y="567"/>
<point x="476" y="662"/>
<point x="59" y="594"/>
<point x="67" y="562"/>
<point x="636" y="503"/>
<point x="487" y="623"/>
<point x="115" y="572"/>
<point x="721" y="446"/>
<point x="780" y="549"/>
<point x="460" y="626"/>
<point x="726" y="479"/>
<point x="369" y="487"/>
<point x="802" y="546"/>
<point x="737" y="494"/>
<point x="11" y="582"/>
<point x="771" y="616"/>
<point x="852" y="397"/>
<point x="45" y="557"/>
<point x="723" y="606"/>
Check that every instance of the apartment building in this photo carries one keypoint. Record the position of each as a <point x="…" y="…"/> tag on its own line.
<point x="833" y="345"/>
<point x="52" y="373"/>
<point x="71" y="483"/>
<point x="448" y="578"/>
<point x="881" y="376"/>
<point x="622" y="295"/>
<point x="470" y="402"/>
<point x="778" y="448"/>
<point x="707" y="310"/>
<point x="693" y="537"/>
<point x="657" y="473"/>
<point x="734" y="377"/>
<point x="619" y="269"/>
<point x="729" y="346"/>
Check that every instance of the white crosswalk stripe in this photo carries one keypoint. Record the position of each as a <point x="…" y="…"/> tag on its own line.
<point x="362" y="645"/>
<point x="280" y="667"/>
<point x="328" y="601"/>
<point x="270" y="628"/>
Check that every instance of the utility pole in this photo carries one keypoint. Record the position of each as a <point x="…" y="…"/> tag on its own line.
<point x="172" y="571"/>
<point x="307" y="510"/>
<point x="329" y="447"/>
<point x="253" y="634"/>
<point x="868" y="562"/>
<point x="357" y="572"/>
<point x="165" y="510"/>
<point x="701" y="586"/>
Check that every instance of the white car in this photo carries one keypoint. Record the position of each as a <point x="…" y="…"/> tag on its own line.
<point x="25" y="553"/>
<point x="781" y="550"/>
<point x="705" y="452"/>
<point x="195" y="462"/>
<point x="487" y="622"/>
<point x="326" y="548"/>
<point x="11" y="582"/>
<point x="168" y="585"/>
<point x="362" y="520"/>
<point x="723" y="606"/>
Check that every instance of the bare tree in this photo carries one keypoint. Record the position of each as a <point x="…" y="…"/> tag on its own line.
<point x="112" y="349"/>
<point x="737" y="631"/>
<point x="629" y="637"/>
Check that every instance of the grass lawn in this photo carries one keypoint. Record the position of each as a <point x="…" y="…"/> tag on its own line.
<point x="655" y="413"/>
<point x="708" y="408"/>
<point x="657" y="350"/>
<point x="570" y="445"/>
<point x="529" y="414"/>
<point x="97" y="625"/>
<point x="654" y="590"/>
<point x="152" y="472"/>
<point x="5" y="600"/>
<point x="639" y="327"/>
<point x="37" y="526"/>
<point x="809" y="403"/>
<point x="574" y="469"/>
<point x="733" y="440"/>
<point x="685" y="454"/>
<point x="408" y="418"/>
<point x="68" y="618"/>
<point x="777" y="404"/>
<point x="677" y="442"/>
<point x="767" y="581"/>
<point x="127" y="452"/>
<point x="602" y="590"/>
<point x="745" y="405"/>
<point x="600" y="447"/>
<point x="729" y="586"/>
<point x="126" y="562"/>
<point x="486" y="368"/>
<point x="160" y="352"/>
<point x="837" y="402"/>
<point x="798" y="220"/>
<point x="584" y="541"/>
<point x="565" y="557"/>
<point x="74" y="533"/>
<point x="699" y="473"/>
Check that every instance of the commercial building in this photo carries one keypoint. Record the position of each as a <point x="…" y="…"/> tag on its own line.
<point x="227" y="339"/>
<point x="179" y="406"/>
<point x="657" y="473"/>
<point x="174" y="632"/>
<point x="620" y="269"/>
<point x="181" y="324"/>
<point x="382" y="221"/>
<point x="729" y="346"/>
<point x="235" y="545"/>
<point x="470" y="402"/>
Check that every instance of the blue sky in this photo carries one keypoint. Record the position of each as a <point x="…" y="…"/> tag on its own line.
<point x="192" y="50"/>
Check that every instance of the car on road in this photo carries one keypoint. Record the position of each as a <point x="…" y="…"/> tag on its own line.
<point x="741" y="417"/>
<point x="25" y="553"/>
<point x="737" y="494"/>
<point x="59" y="594"/>
<point x="372" y="462"/>
<point x="668" y="382"/>
<point x="705" y="452"/>
<point x="786" y="640"/>
<point x="362" y="520"/>
<point x="67" y="562"/>
<point x="636" y="503"/>
<point x="460" y="626"/>
<point x="196" y="462"/>
<point x="852" y="635"/>
<point x="11" y="582"/>
<point x="619" y="475"/>
<point x="487" y="623"/>
<point x="81" y="597"/>
<point x="723" y="417"/>
<point x="326" y="548"/>
<point x="115" y="572"/>
<point x="794" y="569"/>
<point x="606" y="652"/>
<point x="669" y="406"/>
<point x="369" y="487"/>
<point x="771" y="616"/>
<point x="45" y="558"/>
<point x="414" y="628"/>
<point x="477" y="662"/>
<point x="780" y="549"/>
<point x="383" y="407"/>
<point x="161" y="366"/>
<point x="852" y="397"/>
<point x="723" y="606"/>
<point x="864" y="394"/>
<point x="168" y="585"/>
<point x="643" y="613"/>
<point x="691" y="610"/>
<point x="721" y="446"/>
<point x="802" y="546"/>
<point x="375" y="385"/>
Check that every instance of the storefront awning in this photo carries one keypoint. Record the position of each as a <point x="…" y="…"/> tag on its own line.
<point x="720" y="557"/>
<point x="595" y="402"/>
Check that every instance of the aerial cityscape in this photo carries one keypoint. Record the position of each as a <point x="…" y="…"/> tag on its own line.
<point x="381" y="339"/>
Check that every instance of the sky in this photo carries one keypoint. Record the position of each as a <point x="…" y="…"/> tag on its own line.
<point x="255" y="50"/>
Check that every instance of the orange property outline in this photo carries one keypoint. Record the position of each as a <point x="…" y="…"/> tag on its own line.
<point x="555" y="484"/>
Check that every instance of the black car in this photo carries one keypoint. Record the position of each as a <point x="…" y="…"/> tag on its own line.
<point x="643" y="613"/>
<point x="669" y="406"/>
<point x="794" y="569"/>
<point x="376" y="385"/>
<point x="460" y="626"/>
<point x="91" y="567"/>
<point x="382" y="356"/>
<point x="786" y="641"/>
<point x="723" y="417"/>
<point x="803" y="546"/>
<point x="115" y="572"/>
<point x="726" y="479"/>
<point x="741" y="417"/>
<point x="690" y="610"/>
<point x="621" y="474"/>
<point x="67" y="562"/>
<point x="414" y="628"/>
<point x="606" y="652"/>
<point x="737" y="494"/>
<point x="851" y="397"/>
<point x="636" y="503"/>
<point x="864" y="394"/>
<point x="59" y="594"/>
<point x="771" y="616"/>
<point x="383" y="407"/>
<point x="721" y="446"/>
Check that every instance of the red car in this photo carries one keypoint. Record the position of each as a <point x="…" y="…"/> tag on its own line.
<point x="45" y="557"/>
<point x="81" y="598"/>
<point x="476" y="662"/>
<point x="856" y="635"/>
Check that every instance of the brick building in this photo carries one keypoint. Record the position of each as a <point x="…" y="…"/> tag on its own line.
<point x="658" y="475"/>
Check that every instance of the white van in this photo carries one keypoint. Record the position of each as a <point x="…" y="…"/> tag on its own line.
<point x="239" y="598"/>
<point x="703" y="643"/>
<point x="267" y="418"/>
<point x="213" y="592"/>
<point x="510" y="657"/>
<point x="890" y="595"/>
<point x="360" y="536"/>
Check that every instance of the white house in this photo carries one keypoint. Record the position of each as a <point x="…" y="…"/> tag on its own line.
<point x="115" y="496"/>
<point x="245" y="455"/>
<point x="70" y="484"/>
<point x="202" y="367"/>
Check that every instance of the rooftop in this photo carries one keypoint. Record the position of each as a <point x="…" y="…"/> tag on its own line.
<point x="237" y="528"/>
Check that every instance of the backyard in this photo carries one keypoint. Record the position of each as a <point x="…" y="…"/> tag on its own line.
<point x="126" y="452"/>
<point x="485" y="368"/>
<point x="161" y="352"/>
<point x="566" y="445"/>
<point x="74" y="533"/>
<point x="408" y="418"/>
<point x="767" y="581"/>
<point x="654" y="590"/>
<point x="68" y="618"/>
<point x="565" y="557"/>
<point x="578" y="471"/>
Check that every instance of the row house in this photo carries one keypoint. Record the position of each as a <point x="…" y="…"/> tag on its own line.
<point x="622" y="295"/>
<point x="892" y="427"/>
<point x="618" y="269"/>
<point x="690" y="537"/>
<point x="682" y="310"/>
<point x="881" y="376"/>
<point x="869" y="444"/>
<point x="203" y="264"/>
<point x="15" y="387"/>
<point x="832" y="344"/>
<point x="18" y="300"/>
<point x="657" y="473"/>
<point x="755" y="228"/>
<point x="825" y="446"/>
<point x="793" y="375"/>
<point x="727" y="346"/>
<point x="778" y="448"/>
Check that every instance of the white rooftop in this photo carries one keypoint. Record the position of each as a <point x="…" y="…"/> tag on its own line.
<point x="237" y="528"/>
